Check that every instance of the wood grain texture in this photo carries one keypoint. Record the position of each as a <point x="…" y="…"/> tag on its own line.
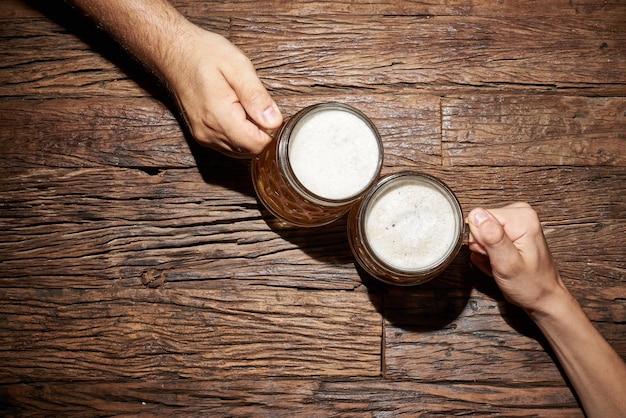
<point x="140" y="132"/>
<point x="86" y="335"/>
<point x="268" y="398"/>
<point x="534" y="129"/>
<point x="193" y="8"/>
<point x="371" y="52"/>
<point x="140" y="276"/>
<point x="583" y="9"/>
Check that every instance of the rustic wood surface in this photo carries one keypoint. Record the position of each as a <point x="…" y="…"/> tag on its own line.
<point x="139" y="274"/>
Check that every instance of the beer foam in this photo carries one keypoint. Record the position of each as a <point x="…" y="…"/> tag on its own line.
<point x="411" y="225"/>
<point x="334" y="153"/>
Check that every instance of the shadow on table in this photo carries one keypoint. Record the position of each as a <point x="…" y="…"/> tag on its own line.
<point x="327" y="244"/>
<point x="219" y="169"/>
<point x="99" y="41"/>
<point x="436" y="304"/>
<point x="512" y="315"/>
<point x="429" y="306"/>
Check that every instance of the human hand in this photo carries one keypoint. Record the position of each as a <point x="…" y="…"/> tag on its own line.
<point x="508" y="243"/>
<point x="220" y="96"/>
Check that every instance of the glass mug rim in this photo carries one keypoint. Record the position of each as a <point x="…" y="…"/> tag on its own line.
<point x="284" y="138"/>
<point x="375" y="265"/>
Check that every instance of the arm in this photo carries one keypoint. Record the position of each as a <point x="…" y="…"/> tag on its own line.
<point x="215" y="84"/>
<point x="509" y="244"/>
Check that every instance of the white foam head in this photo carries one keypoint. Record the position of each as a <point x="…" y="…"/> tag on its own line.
<point x="412" y="224"/>
<point x="334" y="153"/>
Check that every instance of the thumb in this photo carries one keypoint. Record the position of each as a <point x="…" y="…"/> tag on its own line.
<point x="255" y="99"/>
<point x="489" y="233"/>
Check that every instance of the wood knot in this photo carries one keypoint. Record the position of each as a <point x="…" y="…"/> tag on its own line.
<point x="153" y="279"/>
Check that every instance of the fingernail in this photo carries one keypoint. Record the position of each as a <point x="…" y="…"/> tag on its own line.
<point x="270" y="115"/>
<point x="479" y="216"/>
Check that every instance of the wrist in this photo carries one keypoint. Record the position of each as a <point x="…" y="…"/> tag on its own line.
<point x="558" y="307"/>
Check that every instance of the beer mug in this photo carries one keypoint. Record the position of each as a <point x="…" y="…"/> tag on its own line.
<point x="318" y="165"/>
<point x="407" y="229"/>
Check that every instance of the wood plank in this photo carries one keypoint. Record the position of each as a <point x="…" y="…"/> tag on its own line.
<point x="534" y="130"/>
<point x="139" y="132"/>
<point x="42" y="60"/>
<point x="271" y="397"/>
<point x="440" y="327"/>
<point x="443" y="53"/>
<point x="193" y="8"/>
<point x="555" y="9"/>
<point x="68" y="334"/>
<point x="411" y="398"/>
<point x="409" y="125"/>
<point x="240" y="397"/>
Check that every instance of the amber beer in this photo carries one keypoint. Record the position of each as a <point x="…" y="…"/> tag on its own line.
<point x="407" y="229"/>
<point x="318" y="165"/>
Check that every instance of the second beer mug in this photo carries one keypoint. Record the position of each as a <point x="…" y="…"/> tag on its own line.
<point x="320" y="162"/>
<point x="407" y="229"/>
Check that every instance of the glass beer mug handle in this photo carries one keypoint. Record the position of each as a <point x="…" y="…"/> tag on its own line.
<point x="466" y="234"/>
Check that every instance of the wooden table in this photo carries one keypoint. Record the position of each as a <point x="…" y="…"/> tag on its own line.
<point x="139" y="274"/>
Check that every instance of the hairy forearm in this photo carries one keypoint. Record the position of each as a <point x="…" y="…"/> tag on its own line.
<point x="596" y="371"/>
<point x="215" y="85"/>
<point x="150" y="30"/>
